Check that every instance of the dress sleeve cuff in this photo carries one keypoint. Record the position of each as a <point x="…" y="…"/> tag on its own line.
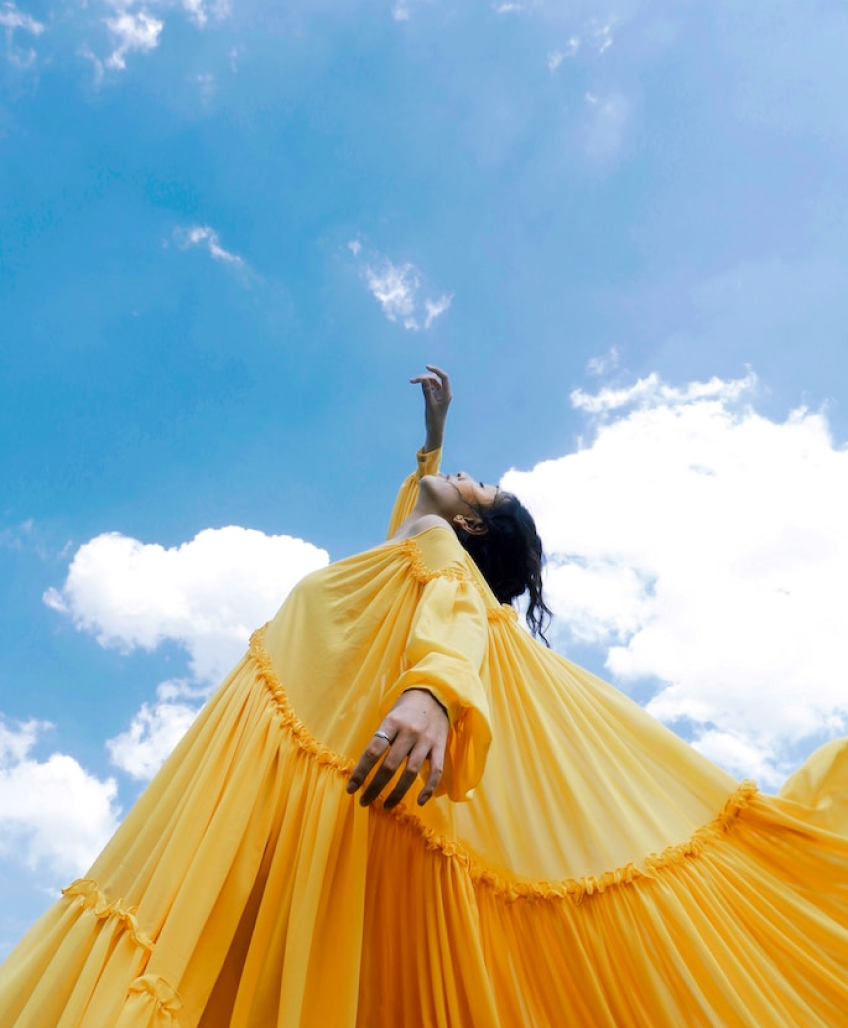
<point x="428" y="462"/>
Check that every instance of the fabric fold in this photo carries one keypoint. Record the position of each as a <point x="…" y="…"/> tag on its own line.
<point x="604" y="874"/>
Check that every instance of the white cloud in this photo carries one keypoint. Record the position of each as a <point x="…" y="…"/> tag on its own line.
<point x="17" y="538"/>
<point x="651" y="391"/>
<point x="199" y="11"/>
<point x="136" y="29"/>
<point x="435" y="308"/>
<point x="207" y="594"/>
<point x="133" y="31"/>
<point x="394" y="287"/>
<point x="204" y="236"/>
<point x="11" y="18"/>
<point x="556" y="57"/>
<point x="155" y="730"/>
<point x="402" y="9"/>
<point x="704" y="548"/>
<point x="603" y="37"/>
<point x="99" y="71"/>
<point x="398" y="290"/>
<point x="54" y="815"/>
<point x="14" y="20"/>
<point x="602" y="365"/>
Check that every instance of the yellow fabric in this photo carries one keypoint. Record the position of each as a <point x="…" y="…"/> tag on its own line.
<point x="602" y="874"/>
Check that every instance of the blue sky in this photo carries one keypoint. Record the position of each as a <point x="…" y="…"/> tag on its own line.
<point x="230" y="233"/>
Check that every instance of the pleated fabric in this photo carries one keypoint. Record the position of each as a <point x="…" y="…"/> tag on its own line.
<point x="582" y="865"/>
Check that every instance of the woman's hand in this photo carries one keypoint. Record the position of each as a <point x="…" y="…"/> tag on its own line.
<point x="417" y="730"/>
<point x="437" y="398"/>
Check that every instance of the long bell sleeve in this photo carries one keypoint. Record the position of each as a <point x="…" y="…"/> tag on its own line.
<point x="428" y="464"/>
<point x="445" y="653"/>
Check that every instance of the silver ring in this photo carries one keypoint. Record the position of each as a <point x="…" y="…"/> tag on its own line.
<point x="382" y="735"/>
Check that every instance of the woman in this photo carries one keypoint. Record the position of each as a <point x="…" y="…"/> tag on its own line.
<point x="599" y="874"/>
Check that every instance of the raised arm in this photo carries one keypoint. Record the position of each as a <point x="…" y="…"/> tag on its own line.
<point x="435" y="386"/>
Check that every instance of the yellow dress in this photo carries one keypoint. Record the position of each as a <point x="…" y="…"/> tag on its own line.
<point x="582" y="866"/>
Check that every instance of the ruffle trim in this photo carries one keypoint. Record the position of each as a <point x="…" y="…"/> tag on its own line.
<point x="165" y="995"/>
<point x="300" y="733"/>
<point x="422" y="573"/>
<point x="93" y="899"/>
<point x="574" y="889"/>
<point x="503" y="613"/>
<point x="149" y="987"/>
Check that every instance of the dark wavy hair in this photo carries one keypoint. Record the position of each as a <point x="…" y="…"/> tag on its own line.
<point x="510" y="557"/>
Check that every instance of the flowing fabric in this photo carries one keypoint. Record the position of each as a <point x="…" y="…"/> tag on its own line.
<point x="580" y="866"/>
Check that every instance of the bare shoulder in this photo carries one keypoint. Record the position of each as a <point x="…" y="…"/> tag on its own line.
<point x="415" y="526"/>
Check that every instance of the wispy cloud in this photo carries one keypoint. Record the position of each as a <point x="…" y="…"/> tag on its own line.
<point x="606" y="127"/>
<point x="200" y="11"/>
<point x="651" y="391"/>
<point x="603" y="37"/>
<point x="132" y="31"/>
<point x="435" y="308"/>
<point x="402" y="9"/>
<point x="207" y="238"/>
<point x="556" y="57"/>
<point x="394" y="287"/>
<point x="18" y="537"/>
<point x="137" y="27"/>
<point x="12" y="21"/>
<point x="605" y="363"/>
<point x="11" y="18"/>
<point x="398" y="288"/>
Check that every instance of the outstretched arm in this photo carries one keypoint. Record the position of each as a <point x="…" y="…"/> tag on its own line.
<point x="435" y="386"/>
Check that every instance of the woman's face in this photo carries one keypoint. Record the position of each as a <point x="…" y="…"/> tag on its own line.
<point x="455" y="494"/>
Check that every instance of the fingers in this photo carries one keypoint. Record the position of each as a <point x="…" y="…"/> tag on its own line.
<point x="373" y="752"/>
<point x="442" y="376"/>
<point x="394" y="758"/>
<point x="386" y="771"/>
<point x="437" y="379"/>
<point x="433" y="778"/>
<point x="417" y="726"/>
<point x="414" y="763"/>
